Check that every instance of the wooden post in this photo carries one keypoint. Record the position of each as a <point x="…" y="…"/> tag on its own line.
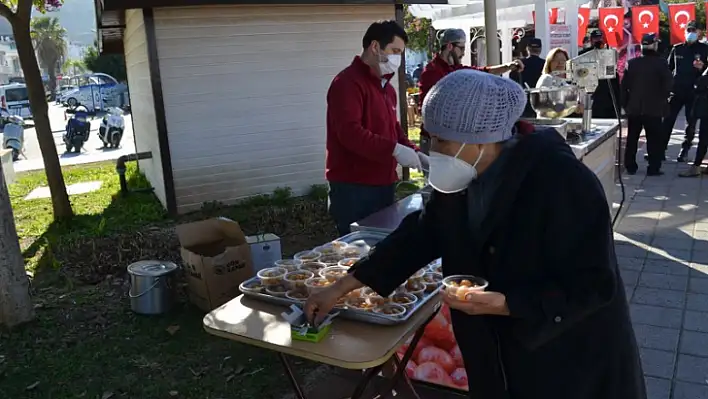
<point x="15" y="303"/>
<point x="403" y="87"/>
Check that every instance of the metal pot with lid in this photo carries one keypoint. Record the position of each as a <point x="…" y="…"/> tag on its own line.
<point x="151" y="286"/>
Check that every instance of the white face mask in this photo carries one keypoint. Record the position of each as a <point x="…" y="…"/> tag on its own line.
<point x="391" y="64"/>
<point x="451" y="174"/>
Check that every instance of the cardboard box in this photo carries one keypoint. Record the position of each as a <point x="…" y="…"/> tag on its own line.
<point x="217" y="259"/>
<point x="265" y="250"/>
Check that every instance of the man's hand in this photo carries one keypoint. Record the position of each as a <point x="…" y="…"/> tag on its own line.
<point x="698" y="64"/>
<point x="479" y="303"/>
<point x="406" y="157"/>
<point x="516" y="66"/>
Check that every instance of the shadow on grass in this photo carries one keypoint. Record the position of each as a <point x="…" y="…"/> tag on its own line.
<point x="123" y="213"/>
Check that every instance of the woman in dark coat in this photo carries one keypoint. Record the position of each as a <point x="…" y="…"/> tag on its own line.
<point x="526" y="215"/>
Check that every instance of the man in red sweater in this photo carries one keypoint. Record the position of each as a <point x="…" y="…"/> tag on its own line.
<point x="365" y="142"/>
<point x="447" y="60"/>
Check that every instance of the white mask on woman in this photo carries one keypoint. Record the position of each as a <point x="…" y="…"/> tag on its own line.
<point x="391" y="64"/>
<point x="451" y="174"/>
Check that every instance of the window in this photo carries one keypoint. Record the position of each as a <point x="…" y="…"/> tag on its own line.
<point x="16" y="94"/>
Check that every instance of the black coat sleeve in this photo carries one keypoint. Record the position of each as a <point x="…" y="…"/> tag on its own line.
<point x="409" y="248"/>
<point x="578" y="264"/>
<point x="625" y="87"/>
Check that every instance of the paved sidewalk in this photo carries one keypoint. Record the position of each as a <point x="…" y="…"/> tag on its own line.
<point x="662" y="249"/>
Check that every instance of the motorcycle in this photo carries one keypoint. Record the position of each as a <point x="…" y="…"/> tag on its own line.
<point x="77" y="129"/>
<point x="111" y="130"/>
<point x="13" y="130"/>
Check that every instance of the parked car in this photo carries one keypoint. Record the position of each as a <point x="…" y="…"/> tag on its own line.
<point x="63" y="90"/>
<point x="70" y="97"/>
<point x="15" y="99"/>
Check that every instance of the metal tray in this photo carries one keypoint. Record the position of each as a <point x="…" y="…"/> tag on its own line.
<point x="371" y="238"/>
<point x="351" y="314"/>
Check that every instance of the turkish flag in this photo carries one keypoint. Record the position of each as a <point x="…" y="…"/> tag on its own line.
<point x="679" y="16"/>
<point x="552" y="16"/>
<point x="583" y="19"/>
<point x="612" y="24"/>
<point x="645" y="19"/>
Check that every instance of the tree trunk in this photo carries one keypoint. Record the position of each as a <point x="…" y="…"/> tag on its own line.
<point x="15" y="303"/>
<point x="38" y="102"/>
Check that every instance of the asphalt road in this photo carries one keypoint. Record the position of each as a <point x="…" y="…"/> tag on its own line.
<point x="92" y="151"/>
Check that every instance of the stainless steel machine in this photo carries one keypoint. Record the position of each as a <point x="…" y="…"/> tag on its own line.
<point x="583" y="75"/>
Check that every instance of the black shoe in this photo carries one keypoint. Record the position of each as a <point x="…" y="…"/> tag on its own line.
<point x="682" y="156"/>
<point x="646" y="157"/>
<point x="654" y="173"/>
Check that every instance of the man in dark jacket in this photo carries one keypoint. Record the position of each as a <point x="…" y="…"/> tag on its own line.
<point x="530" y="218"/>
<point x="365" y="142"/>
<point x="602" y="104"/>
<point x="645" y="104"/>
<point x="533" y="68"/>
<point x="700" y="112"/>
<point x="687" y="61"/>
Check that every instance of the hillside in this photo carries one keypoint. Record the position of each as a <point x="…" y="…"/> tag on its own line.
<point x="76" y="16"/>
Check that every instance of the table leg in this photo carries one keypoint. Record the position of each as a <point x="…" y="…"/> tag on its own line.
<point x="401" y="369"/>
<point x="369" y="374"/>
<point x="291" y="376"/>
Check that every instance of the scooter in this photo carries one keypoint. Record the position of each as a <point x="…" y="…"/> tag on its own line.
<point x="13" y="130"/>
<point x="77" y="129"/>
<point x="111" y="130"/>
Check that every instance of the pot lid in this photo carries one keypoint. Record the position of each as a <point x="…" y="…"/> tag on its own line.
<point x="152" y="268"/>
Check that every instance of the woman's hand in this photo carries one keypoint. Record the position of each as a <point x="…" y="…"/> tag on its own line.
<point x="479" y="303"/>
<point x="318" y="305"/>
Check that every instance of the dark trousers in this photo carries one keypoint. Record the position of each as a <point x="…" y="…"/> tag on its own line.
<point x="655" y="141"/>
<point x="675" y="105"/>
<point x="349" y="202"/>
<point x="702" y="142"/>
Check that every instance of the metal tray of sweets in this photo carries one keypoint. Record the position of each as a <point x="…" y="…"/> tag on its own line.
<point x="346" y="312"/>
<point x="369" y="238"/>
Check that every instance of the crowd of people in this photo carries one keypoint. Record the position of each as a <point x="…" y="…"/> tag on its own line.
<point x="510" y="205"/>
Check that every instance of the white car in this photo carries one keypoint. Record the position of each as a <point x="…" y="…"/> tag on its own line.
<point x="70" y="98"/>
<point x="63" y="90"/>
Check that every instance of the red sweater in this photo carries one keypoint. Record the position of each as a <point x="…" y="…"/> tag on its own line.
<point x="437" y="69"/>
<point x="362" y="128"/>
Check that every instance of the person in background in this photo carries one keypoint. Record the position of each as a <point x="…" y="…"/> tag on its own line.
<point x="687" y="61"/>
<point x="533" y="68"/>
<point x="646" y="104"/>
<point x="417" y="72"/>
<point x="365" y="142"/>
<point x="700" y="112"/>
<point x="527" y="216"/>
<point x="447" y="60"/>
<point x="554" y="73"/>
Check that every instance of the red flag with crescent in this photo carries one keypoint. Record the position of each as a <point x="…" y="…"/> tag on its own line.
<point x="583" y="19"/>
<point x="645" y="19"/>
<point x="552" y="16"/>
<point x="612" y="24"/>
<point x="679" y="16"/>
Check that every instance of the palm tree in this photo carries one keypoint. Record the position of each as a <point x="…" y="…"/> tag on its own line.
<point x="49" y="39"/>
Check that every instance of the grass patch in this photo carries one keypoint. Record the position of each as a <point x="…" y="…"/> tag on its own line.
<point x="414" y="134"/>
<point x="98" y="213"/>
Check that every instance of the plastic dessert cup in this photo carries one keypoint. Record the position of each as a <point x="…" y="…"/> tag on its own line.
<point x="406" y="300"/>
<point x="297" y="295"/>
<point x="276" y="290"/>
<point x="308" y="256"/>
<point x="313" y="267"/>
<point x="359" y="304"/>
<point x="391" y="310"/>
<point x="296" y="280"/>
<point x="334" y="273"/>
<point x="432" y="281"/>
<point x="331" y="260"/>
<point x="288" y="264"/>
<point x="272" y="276"/>
<point x="459" y="285"/>
<point x="254" y="286"/>
<point x="417" y="277"/>
<point x="347" y="262"/>
<point x="417" y="289"/>
<point x="317" y="284"/>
